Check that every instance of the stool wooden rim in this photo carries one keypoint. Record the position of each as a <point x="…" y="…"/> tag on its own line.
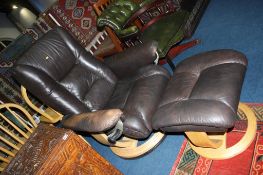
<point x="221" y="151"/>
<point x="129" y="148"/>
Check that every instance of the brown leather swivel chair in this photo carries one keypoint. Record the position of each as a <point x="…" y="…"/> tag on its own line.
<point x="127" y="95"/>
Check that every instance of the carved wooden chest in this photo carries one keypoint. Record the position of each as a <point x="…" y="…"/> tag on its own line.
<point x="51" y="150"/>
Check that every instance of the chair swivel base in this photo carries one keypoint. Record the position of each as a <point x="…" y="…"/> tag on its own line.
<point x="130" y="148"/>
<point x="220" y="151"/>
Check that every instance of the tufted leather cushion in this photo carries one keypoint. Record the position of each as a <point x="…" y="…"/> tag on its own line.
<point x="116" y="15"/>
<point x="203" y="94"/>
<point x="64" y="76"/>
<point x="58" y="71"/>
<point x="138" y="96"/>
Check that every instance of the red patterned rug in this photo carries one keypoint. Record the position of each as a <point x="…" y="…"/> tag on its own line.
<point x="78" y="17"/>
<point x="250" y="162"/>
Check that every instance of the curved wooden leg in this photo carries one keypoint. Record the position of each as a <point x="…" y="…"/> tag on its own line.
<point x="221" y="151"/>
<point x="173" y="52"/>
<point x="135" y="150"/>
<point x="176" y="50"/>
<point x="129" y="148"/>
<point x="48" y="115"/>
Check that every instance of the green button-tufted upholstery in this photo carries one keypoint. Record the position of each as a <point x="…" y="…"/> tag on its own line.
<point x="168" y="29"/>
<point x="167" y="32"/>
<point x="116" y="15"/>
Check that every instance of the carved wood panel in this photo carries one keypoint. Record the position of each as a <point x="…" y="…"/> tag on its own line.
<point x="52" y="150"/>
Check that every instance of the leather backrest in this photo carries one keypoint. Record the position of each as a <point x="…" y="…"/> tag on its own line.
<point x="63" y="75"/>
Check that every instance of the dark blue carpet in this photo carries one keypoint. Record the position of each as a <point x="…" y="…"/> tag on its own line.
<point x="234" y="24"/>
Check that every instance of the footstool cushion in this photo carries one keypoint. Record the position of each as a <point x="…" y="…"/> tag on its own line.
<point x="203" y="94"/>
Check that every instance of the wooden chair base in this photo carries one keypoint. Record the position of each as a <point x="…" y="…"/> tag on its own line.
<point x="129" y="148"/>
<point x="218" y="142"/>
<point x="48" y="115"/>
<point x="176" y="50"/>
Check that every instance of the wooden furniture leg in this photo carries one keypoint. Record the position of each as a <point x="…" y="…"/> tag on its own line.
<point x="214" y="146"/>
<point x="174" y="51"/>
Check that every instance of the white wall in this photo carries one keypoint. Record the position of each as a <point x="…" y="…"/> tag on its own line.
<point x="23" y="17"/>
<point x="42" y="5"/>
<point x="7" y="28"/>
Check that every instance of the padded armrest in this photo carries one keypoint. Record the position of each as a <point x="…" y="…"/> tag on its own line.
<point x="126" y="63"/>
<point x="51" y="94"/>
<point x="98" y="121"/>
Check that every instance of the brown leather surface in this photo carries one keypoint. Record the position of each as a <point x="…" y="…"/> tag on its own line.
<point x="97" y="121"/>
<point x="138" y="97"/>
<point x="51" y="150"/>
<point x="202" y="94"/>
<point x="57" y="70"/>
<point x="124" y="64"/>
<point x="71" y="81"/>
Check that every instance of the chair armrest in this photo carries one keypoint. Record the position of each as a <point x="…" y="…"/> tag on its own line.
<point x="127" y="62"/>
<point x="115" y="16"/>
<point x="94" y="122"/>
<point x="153" y="21"/>
<point x="145" y="5"/>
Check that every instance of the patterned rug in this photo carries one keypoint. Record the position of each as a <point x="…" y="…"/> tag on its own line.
<point x="11" y="53"/>
<point x="78" y="17"/>
<point x="248" y="162"/>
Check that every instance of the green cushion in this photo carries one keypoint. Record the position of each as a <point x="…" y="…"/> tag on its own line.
<point x="116" y="15"/>
<point x="168" y="31"/>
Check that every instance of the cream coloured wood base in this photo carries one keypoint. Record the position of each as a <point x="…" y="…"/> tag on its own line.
<point x="48" y="115"/>
<point x="214" y="146"/>
<point x="129" y="148"/>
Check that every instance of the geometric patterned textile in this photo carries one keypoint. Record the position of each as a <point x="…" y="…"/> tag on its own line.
<point x="13" y="51"/>
<point x="78" y="17"/>
<point x="249" y="162"/>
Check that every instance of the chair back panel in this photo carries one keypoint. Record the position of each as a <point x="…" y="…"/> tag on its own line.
<point x="45" y="55"/>
<point x="16" y="125"/>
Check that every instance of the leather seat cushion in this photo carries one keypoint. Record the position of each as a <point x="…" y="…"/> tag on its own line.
<point x="203" y="94"/>
<point x="138" y="97"/>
